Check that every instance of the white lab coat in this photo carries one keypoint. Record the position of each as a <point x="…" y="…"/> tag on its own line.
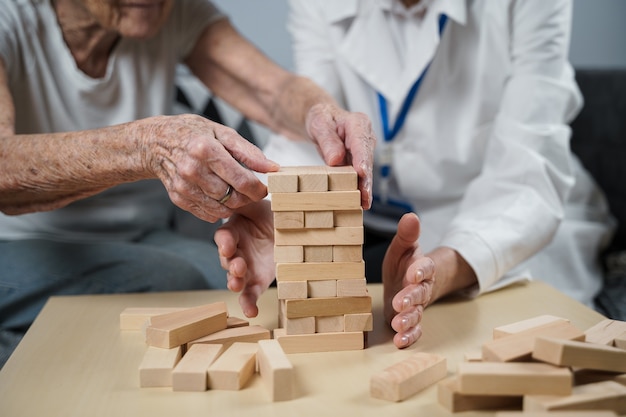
<point x="483" y="157"/>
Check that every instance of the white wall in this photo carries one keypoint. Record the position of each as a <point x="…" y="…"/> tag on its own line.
<point x="598" y="30"/>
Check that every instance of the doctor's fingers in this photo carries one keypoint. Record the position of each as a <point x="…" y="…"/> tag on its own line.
<point x="406" y="339"/>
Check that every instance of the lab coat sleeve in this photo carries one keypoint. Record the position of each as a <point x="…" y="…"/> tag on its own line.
<point x="514" y="207"/>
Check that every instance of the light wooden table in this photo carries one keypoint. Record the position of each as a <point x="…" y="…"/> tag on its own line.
<point x="74" y="361"/>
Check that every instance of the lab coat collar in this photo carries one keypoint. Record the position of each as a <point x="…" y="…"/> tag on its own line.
<point x="366" y="45"/>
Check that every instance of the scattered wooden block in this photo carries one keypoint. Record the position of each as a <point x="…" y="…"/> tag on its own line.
<point x="605" y="332"/>
<point x="234" y="368"/>
<point x="319" y="342"/>
<point x="327" y="306"/>
<point x="318" y="254"/>
<point x="227" y="337"/>
<point x="276" y="370"/>
<point x="179" y="327"/>
<point x="455" y="402"/>
<point x="236" y="322"/>
<point x="358" y="322"/>
<point x="191" y="373"/>
<point x="347" y="253"/>
<point x="579" y="354"/>
<point x="519" y="346"/>
<point x="513" y="378"/>
<point x="322" y="289"/>
<point x="289" y="254"/>
<point x="282" y="182"/>
<point x="406" y="378"/>
<point x="289" y="220"/>
<point x="292" y="289"/>
<point x="320" y="237"/>
<point x="620" y="341"/>
<point x="329" y="324"/>
<point x="315" y="271"/>
<point x="607" y="395"/>
<point x="589" y="376"/>
<point x="134" y="318"/>
<point x="318" y="219"/>
<point x="157" y="365"/>
<point x="316" y="201"/>
<point x="590" y="413"/>
<point x="475" y="356"/>
<point x="352" y="288"/>
<point x="528" y="324"/>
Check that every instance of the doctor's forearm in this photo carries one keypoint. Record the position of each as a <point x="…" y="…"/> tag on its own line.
<point x="452" y="272"/>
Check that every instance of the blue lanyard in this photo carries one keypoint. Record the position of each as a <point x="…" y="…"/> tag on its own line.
<point x="390" y="134"/>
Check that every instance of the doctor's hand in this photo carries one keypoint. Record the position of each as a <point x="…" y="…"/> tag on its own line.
<point x="408" y="279"/>
<point x="246" y="247"/>
<point x="344" y="138"/>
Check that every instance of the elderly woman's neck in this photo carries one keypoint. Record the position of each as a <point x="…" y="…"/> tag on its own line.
<point x="89" y="43"/>
<point x="410" y="3"/>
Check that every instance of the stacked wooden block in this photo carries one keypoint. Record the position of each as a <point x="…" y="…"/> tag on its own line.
<point x="200" y="348"/>
<point x="320" y="273"/>
<point x="543" y="364"/>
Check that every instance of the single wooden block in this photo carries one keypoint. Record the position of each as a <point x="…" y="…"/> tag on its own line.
<point x="527" y="324"/>
<point x="351" y="287"/>
<point x="589" y="376"/>
<point x="620" y="341"/>
<point x="607" y="395"/>
<point x="227" y="337"/>
<point x="408" y="377"/>
<point x="179" y="327"/>
<point x="234" y="368"/>
<point x="455" y="402"/>
<point x="288" y="220"/>
<point x="330" y="324"/>
<point x="276" y="370"/>
<point x="342" y="178"/>
<point x="348" y="218"/>
<point x="318" y="219"/>
<point x="311" y="201"/>
<point x="191" y="373"/>
<point x="282" y="182"/>
<point x="579" y="354"/>
<point x="327" y="306"/>
<point x="605" y="332"/>
<point x="312" y="178"/>
<point x="320" y="237"/>
<point x="358" y="322"/>
<point x="513" y="378"/>
<point x="289" y="254"/>
<point x="318" y="254"/>
<point x="347" y="253"/>
<point x="292" y="289"/>
<point x="475" y="356"/>
<point x="317" y="271"/>
<point x="157" y="365"/>
<point x="134" y="318"/>
<point x="519" y="346"/>
<point x="577" y="413"/>
<point x="322" y="289"/>
<point x="302" y="325"/>
<point x="319" y="342"/>
<point x="236" y="322"/>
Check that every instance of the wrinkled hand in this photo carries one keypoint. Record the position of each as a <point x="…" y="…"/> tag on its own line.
<point x="345" y="138"/>
<point x="408" y="278"/>
<point x="246" y="248"/>
<point x="197" y="160"/>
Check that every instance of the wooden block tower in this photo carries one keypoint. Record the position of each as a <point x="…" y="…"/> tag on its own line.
<point x="320" y="272"/>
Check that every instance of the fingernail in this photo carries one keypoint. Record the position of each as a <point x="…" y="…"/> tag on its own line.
<point x="406" y="303"/>
<point x="405" y="323"/>
<point x="419" y="275"/>
<point x="404" y="340"/>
